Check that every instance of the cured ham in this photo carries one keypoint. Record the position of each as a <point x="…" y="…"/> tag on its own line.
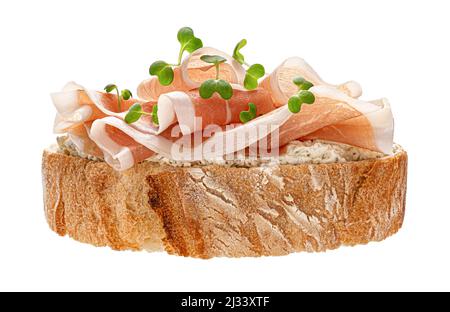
<point x="337" y="117"/>
<point x="125" y="144"/>
<point x="120" y="141"/>
<point x="373" y="131"/>
<point x="192" y="72"/>
<point x="194" y="113"/>
<point x="76" y="105"/>
<point x="191" y="128"/>
<point x="364" y="124"/>
<point x="279" y="82"/>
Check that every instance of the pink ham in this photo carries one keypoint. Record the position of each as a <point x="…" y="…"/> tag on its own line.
<point x="92" y="119"/>
<point x="185" y="108"/>
<point x="279" y="82"/>
<point x="190" y="75"/>
<point x="332" y="107"/>
<point x="76" y="105"/>
<point x="123" y="145"/>
<point x="337" y="117"/>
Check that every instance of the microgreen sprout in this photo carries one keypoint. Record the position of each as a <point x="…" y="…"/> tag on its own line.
<point x="302" y="84"/>
<point x="237" y="55"/>
<point x="210" y="86"/>
<point x="303" y="96"/>
<point x="246" y="116"/>
<point x="125" y="94"/>
<point x="164" y="70"/>
<point x="136" y="112"/>
<point x="155" y="115"/>
<point x="254" y="72"/>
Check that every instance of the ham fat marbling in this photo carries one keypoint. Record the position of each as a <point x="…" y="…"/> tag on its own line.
<point x="96" y="127"/>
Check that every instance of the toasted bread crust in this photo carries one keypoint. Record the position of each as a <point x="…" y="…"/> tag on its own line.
<point x="214" y="210"/>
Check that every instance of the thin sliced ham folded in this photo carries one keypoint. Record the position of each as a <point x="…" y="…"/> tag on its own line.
<point x="76" y="105"/>
<point x="194" y="113"/>
<point x="192" y="72"/>
<point x="279" y="82"/>
<point x="121" y="142"/>
<point x="337" y="117"/>
<point x="366" y="124"/>
<point x="191" y="128"/>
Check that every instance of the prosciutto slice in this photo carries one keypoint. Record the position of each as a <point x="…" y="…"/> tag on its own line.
<point x="365" y="124"/>
<point x="337" y="117"/>
<point x="192" y="72"/>
<point x="279" y="82"/>
<point x="76" y="105"/>
<point x="124" y="145"/>
<point x="194" y="113"/>
<point x="191" y="128"/>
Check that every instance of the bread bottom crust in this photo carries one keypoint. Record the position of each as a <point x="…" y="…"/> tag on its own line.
<point x="218" y="211"/>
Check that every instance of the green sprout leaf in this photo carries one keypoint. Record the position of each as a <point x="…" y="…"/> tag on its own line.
<point x="224" y="89"/>
<point x="126" y="94"/>
<point x="306" y="97"/>
<point x="134" y="113"/>
<point x="254" y="72"/>
<point x="213" y="59"/>
<point x="163" y="71"/>
<point x="246" y="116"/>
<point x="302" y="97"/>
<point x="298" y="81"/>
<point x="194" y="45"/>
<point x="185" y="34"/>
<point x="294" y="104"/>
<point x="250" y="83"/>
<point x="211" y="86"/>
<point x="207" y="89"/>
<point x="306" y="86"/>
<point x="237" y="55"/>
<point x="188" y="41"/>
<point x="252" y="109"/>
<point x="296" y="101"/>
<point x="302" y="84"/>
<point x="155" y="119"/>
<point x="111" y="87"/>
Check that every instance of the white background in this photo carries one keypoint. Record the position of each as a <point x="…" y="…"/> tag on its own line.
<point x="396" y="49"/>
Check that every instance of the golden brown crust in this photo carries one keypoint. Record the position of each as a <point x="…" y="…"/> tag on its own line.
<point x="215" y="210"/>
<point x="92" y="203"/>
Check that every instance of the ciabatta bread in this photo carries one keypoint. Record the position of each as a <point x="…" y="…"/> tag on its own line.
<point x="222" y="211"/>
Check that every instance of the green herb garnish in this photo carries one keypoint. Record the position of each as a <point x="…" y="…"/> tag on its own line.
<point x="136" y="112"/>
<point x="302" y="97"/>
<point x="125" y="94"/>
<point x="302" y="84"/>
<point x="164" y="70"/>
<point x="246" y="116"/>
<point x="210" y="86"/>
<point x="155" y="115"/>
<point x="237" y="55"/>
<point x="254" y="72"/>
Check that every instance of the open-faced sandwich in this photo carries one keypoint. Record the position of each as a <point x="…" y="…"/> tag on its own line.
<point x="214" y="157"/>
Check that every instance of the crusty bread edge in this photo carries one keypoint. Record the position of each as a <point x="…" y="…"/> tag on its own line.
<point x="207" y="211"/>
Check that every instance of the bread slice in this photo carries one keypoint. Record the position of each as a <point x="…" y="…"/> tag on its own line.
<point x="221" y="211"/>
